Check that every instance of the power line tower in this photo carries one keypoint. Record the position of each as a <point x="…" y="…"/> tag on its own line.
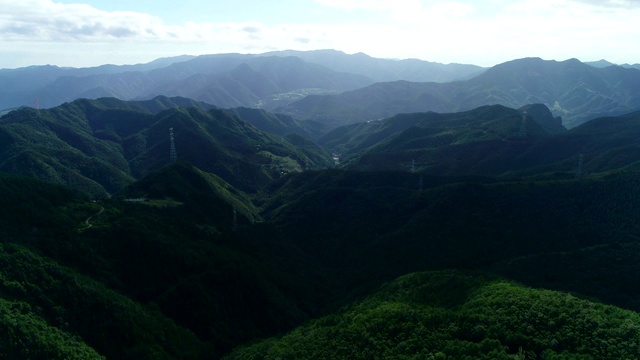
<point x="413" y="166"/>
<point x="36" y="105"/>
<point x="523" y="126"/>
<point x="173" y="156"/>
<point x="579" y="169"/>
<point x="235" y="219"/>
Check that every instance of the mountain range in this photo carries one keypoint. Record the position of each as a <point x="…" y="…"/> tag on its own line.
<point x="354" y="225"/>
<point x="226" y="80"/>
<point x="100" y="146"/>
<point x="575" y="91"/>
<point x="334" y="88"/>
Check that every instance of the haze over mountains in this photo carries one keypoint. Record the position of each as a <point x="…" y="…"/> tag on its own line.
<point x="573" y="90"/>
<point x="335" y="88"/>
<point x="311" y="205"/>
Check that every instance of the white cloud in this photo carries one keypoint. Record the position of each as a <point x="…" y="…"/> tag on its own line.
<point x="465" y="31"/>
<point x="44" y="20"/>
<point x="613" y="3"/>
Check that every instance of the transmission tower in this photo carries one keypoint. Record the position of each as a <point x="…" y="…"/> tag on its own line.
<point x="413" y="166"/>
<point x="523" y="126"/>
<point x="173" y="156"/>
<point x="235" y="219"/>
<point x="36" y="105"/>
<point x="579" y="169"/>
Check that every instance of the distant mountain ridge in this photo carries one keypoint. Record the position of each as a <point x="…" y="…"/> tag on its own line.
<point x="604" y="63"/>
<point x="571" y="89"/>
<point x="382" y="70"/>
<point x="226" y="80"/>
<point x="332" y="88"/>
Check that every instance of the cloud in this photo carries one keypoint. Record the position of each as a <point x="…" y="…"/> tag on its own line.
<point x="251" y="29"/>
<point x="468" y="31"/>
<point x="612" y="3"/>
<point x="362" y="4"/>
<point x="50" y="21"/>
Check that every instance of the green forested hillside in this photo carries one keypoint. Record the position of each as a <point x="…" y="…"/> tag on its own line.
<point x="371" y="226"/>
<point x="452" y="315"/>
<point x="488" y="141"/>
<point x="245" y="237"/>
<point x="431" y="137"/>
<point x="100" y="146"/>
<point x="174" y="276"/>
<point x="162" y="271"/>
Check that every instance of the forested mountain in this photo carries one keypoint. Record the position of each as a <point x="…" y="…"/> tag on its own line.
<point x="167" y="278"/>
<point x="413" y="134"/>
<point x="442" y="315"/>
<point x="488" y="233"/>
<point x="183" y="265"/>
<point x="490" y="140"/>
<point x="573" y="90"/>
<point x="102" y="145"/>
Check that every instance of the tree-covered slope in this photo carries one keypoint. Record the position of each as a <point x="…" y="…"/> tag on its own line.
<point x="411" y="133"/>
<point x="100" y="146"/>
<point x="370" y="226"/>
<point x="171" y="277"/>
<point x="488" y="141"/>
<point x="234" y="243"/>
<point x="50" y="310"/>
<point x="453" y="315"/>
<point x="164" y="271"/>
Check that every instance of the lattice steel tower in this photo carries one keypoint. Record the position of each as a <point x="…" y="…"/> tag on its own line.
<point x="523" y="126"/>
<point x="173" y="156"/>
<point x="580" y="163"/>
<point x="235" y="219"/>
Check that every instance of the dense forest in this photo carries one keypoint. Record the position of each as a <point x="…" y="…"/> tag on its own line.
<point x="491" y="233"/>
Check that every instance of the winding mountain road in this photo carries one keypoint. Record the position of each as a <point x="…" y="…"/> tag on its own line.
<point x="88" y="221"/>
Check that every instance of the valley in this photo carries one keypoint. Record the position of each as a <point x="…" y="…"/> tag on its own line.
<point x="493" y="214"/>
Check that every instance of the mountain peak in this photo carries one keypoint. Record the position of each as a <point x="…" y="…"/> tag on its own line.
<point x="600" y="63"/>
<point x="541" y="114"/>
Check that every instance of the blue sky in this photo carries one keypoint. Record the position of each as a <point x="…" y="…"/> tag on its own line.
<point x="88" y="33"/>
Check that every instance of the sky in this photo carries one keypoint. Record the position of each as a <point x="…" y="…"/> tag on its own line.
<point x="84" y="33"/>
